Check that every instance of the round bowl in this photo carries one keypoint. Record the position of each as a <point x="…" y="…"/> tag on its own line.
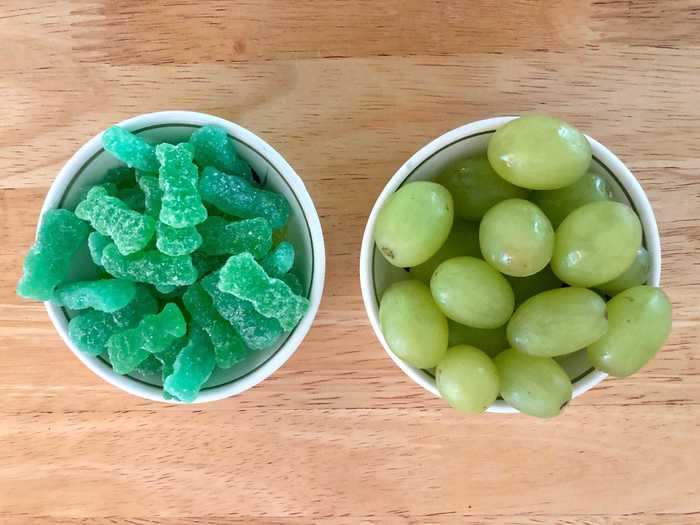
<point x="376" y="274"/>
<point x="87" y="167"/>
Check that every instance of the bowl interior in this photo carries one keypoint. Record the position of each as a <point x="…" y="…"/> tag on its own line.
<point x="298" y="232"/>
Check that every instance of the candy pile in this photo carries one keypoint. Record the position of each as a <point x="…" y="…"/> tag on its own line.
<point x="195" y="272"/>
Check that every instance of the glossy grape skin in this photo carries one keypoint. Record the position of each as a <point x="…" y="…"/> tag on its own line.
<point x="639" y="322"/>
<point x="557" y="204"/>
<point x="539" y="153"/>
<point x="537" y="386"/>
<point x="636" y="275"/>
<point x="557" y="322"/>
<point x="516" y="238"/>
<point x="476" y="187"/>
<point x="463" y="240"/>
<point x="526" y="287"/>
<point x="576" y="364"/>
<point x="596" y="243"/>
<point x="491" y="341"/>
<point x="467" y="379"/>
<point x="413" y="223"/>
<point x="412" y="325"/>
<point x="469" y="291"/>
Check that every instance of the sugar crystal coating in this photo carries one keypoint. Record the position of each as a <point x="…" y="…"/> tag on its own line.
<point x="152" y="194"/>
<point x="220" y="236"/>
<point x="238" y="197"/>
<point x="177" y="241"/>
<point x="130" y="230"/>
<point x="229" y="348"/>
<point x="279" y="261"/>
<point x="213" y="147"/>
<point x="131" y="149"/>
<point x="244" y="278"/>
<point x="181" y="205"/>
<point x="97" y="243"/>
<point x="192" y="368"/>
<point x="48" y="261"/>
<point x="150" y="267"/>
<point x="105" y="295"/>
<point x="257" y="331"/>
<point x="110" y="187"/>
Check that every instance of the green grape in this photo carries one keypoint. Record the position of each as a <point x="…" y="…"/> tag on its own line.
<point x="414" y="328"/>
<point x="490" y="340"/>
<point x="557" y="204"/>
<point x="557" y="322"/>
<point x="467" y="379"/>
<point x="537" y="386"/>
<point x="475" y="187"/>
<point x="639" y="322"/>
<point x="470" y="292"/>
<point x="413" y="223"/>
<point x="596" y="243"/>
<point x="516" y="238"/>
<point x="463" y="240"/>
<point x="576" y="364"/>
<point x="635" y="275"/>
<point x="526" y="287"/>
<point x="539" y="153"/>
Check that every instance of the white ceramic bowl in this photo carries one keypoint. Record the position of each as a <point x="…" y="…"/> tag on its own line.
<point x="376" y="274"/>
<point x="91" y="161"/>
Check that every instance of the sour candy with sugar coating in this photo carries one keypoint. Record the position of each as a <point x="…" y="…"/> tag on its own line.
<point x="48" y="262"/>
<point x="181" y="205"/>
<point x="130" y="230"/>
<point x="149" y="266"/>
<point x="238" y="197"/>
<point x="130" y="149"/>
<point x="105" y="295"/>
<point x="152" y="194"/>
<point x="192" y="368"/>
<point x="293" y="282"/>
<point x="177" y="241"/>
<point x="97" y="243"/>
<point x="213" y="147"/>
<point x="279" y="261"/>
<point x="220" y="236"/>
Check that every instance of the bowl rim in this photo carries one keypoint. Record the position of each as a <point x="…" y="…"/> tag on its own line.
<point x="609" y="161"/>
<point x="92" y="147"/>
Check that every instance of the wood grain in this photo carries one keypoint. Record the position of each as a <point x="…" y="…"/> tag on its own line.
<point x="347" y="91"/>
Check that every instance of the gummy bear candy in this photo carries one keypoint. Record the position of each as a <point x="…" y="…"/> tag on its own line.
<point x="152" y="194"/>
<point x="279" y="261"/>
<point x="213" y="147"/>
<point x="181" y="205"/>
<point x="220" y="236"/>
<point x="150" y="366"/>
<point x="131" y="149"/>
<point x="293" y="283"/>
<point x="48" y="262"/>
<point x="192" y="368"/>
<point x="228" y="345"/>
<point x="129" y="229"/>
<point x="105" y="295"/>
<point x="177" y="241"/>
<point x="238" y="197"/>
<point x="149" y="266"/>
<point x="133" y="197"/>
<point x="121" y="176"/>
<point x="97" y="243"/>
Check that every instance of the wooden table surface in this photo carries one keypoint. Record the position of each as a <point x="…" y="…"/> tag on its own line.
<point x="347" y="91"/>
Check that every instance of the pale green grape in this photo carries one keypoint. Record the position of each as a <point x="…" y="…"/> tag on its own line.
<point x="596" y="243"/>
<point x="413" y="223"/>
<point x="413" y="326"/>
<point x="463" y="240"/>
<point x="635" y="275"/>
<point x="539" y="153"/>
<point x="575" y="364"/>
<point x="490" y="340"/>
<point x="475" y="187"/>
<point x="537" y="386"/>
<point x="467" y="379"/>
<point x="639" y="322"/>
<point x="557" y="322"/>
<point x="526" y="287"/>
<point x="470" y="292"/>
<point x="557" y="204"/>
<point x="516" y="238"/>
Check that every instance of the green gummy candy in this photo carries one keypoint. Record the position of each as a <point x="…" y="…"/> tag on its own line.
<point x="97" y="243"/>
<point x="131" y="149"/>
<point x="143" y="304"/>
<point x="192" y="368"/>
<point x="150" y="366"/>
<point x="279" y="261"/>
<point x="229" y="348"/>
<point x="49" y="260"/>
<point x="121" y="176"/>
<point x="257" y="331"/>
<point x="238" y="197"/>
<point x="177" y="241"/>
<point x="181" y="205"/>
<point x="149" y="266"/>
<point x="293" y="283"/>
<point x="153" y="195"/>
<point x="213" y="147"/>
<point x="133" y="197"/>
<point x="207" y="263"/>
<point x="110" y="187"/>
<point x="168" y="292"/>
<point x="244" y="278"/>
<point x="105" y="295"/>
<point x="220" y="236"/>
<point x="130" y="230"/>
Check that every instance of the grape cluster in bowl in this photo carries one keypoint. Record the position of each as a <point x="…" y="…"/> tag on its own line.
<point x="517" y="261"/>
